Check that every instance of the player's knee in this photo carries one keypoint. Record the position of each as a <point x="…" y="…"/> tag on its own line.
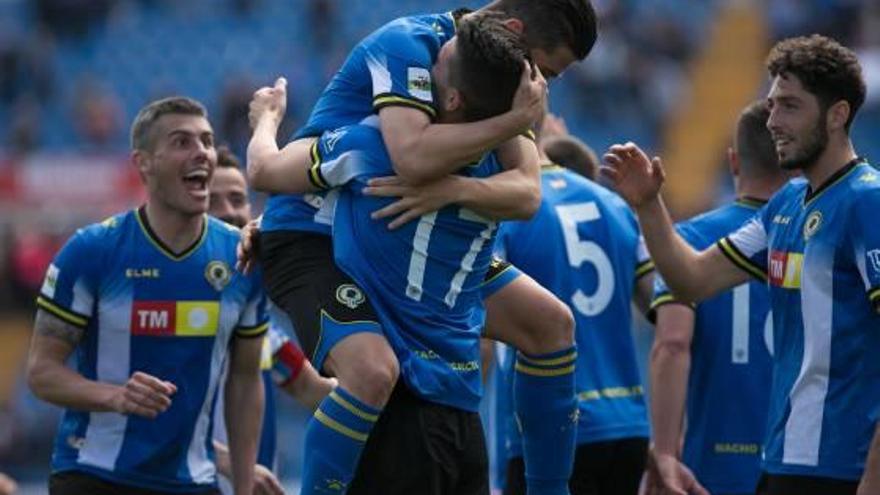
<point x="553" y="330"/>
<point x="373" y="380"/>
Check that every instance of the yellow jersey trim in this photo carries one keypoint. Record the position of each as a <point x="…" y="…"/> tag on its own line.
<point x="495" y="277"/>
<point x="315" y="176"/>
<point x="158" y="244"/>
<point x="67" y="316"/>
<point x="339" y="427"/>
<point x="644" y="268"/>
<point x="352" y="408"/>
<point x="528" y="370"/>
<point x="741" y="261"/>
<point x="874" y="295"/>
<point x="389" y="100"/>
<point x="252" y="331"/>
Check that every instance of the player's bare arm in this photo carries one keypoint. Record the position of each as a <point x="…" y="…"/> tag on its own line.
<point x="51" y="380"/>
<point x="514" y="194"/>
<point x="669" y="368"/>
<point x="244" y="410"/>
<point x="870" y="482"/>
<point x="643" y="292"/>
<point x="422" y="152"/>
<point x="270" y="169"/>
<point x="309" y="388"/>
<point x="691" y="275"/>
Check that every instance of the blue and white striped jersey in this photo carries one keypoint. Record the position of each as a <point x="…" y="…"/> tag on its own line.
<point x="423" y="279"/>
<point x="730" y="374"/>
<point x="144" y="308"/>
<point x="820" y="253"/>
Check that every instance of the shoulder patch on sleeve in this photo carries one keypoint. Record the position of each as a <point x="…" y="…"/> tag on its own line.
<point x="419" y="83"/>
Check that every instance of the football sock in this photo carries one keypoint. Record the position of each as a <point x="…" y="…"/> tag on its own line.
<point x="546" y="409"/>
<point x="335" y="436"/>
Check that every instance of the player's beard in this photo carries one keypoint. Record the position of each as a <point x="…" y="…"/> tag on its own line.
<point x="808" y="154"/>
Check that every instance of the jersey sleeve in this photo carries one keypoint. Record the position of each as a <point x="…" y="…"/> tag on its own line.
<point x="254" y="318"/>
<point x="866" y="241"/>
<point x="747" y="248"/>
<point x="71" y="283"/>
<point x="400" y="68"/>
<point x="341" y="155"/>
<point x="662" y="295"/>
<point x="644" y="264"/>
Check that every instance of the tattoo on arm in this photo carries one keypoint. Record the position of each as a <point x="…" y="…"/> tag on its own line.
<point x="49" y="325"/>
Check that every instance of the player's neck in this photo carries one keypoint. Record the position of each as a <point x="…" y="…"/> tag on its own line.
<point x="176" y="230"/>
<point x="759" y="188"/>
<point x="837" y="154"/>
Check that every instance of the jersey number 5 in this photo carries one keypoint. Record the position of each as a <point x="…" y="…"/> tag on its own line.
<point x="580" y="251"/>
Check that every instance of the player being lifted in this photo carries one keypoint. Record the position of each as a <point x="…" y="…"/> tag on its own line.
<point x="817" y="246"/>
<point x="388" y="76"/>
<point x="149" y="302"/>
<point x="711" y="362"/>
<point x="425" y="287"/>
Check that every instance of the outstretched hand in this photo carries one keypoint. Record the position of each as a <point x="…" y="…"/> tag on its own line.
<point x="635" y="176"/>
<point x="246" y="251"/>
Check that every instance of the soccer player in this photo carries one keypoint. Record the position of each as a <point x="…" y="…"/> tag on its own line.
<point x="150" y="304"/>
<point x="715" y="357"/>
<point x="571" y="153"/>
<point x="584" y="246"/>
<point x="282" y="362"/>
<point x="422" y="280"/>
<point x="388" y="77"/>
<point x="817" y="245"/>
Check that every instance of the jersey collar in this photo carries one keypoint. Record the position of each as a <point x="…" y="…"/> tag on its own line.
<point x="751" y="202"/>
<point x="830" y="181"/>
<point x="143" y="221"/>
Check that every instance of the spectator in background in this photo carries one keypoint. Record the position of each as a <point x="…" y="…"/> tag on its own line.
<point x="98" y="114"/>
<point x="234" y="103"/>
<point x="7" y="485"/>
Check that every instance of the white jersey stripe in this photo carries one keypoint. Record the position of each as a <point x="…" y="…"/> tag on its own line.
<point x="106" y="430"/>
<point x="803" y="430"/>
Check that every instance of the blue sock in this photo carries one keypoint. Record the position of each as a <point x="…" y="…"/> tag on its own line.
<point x="335" y="437"/>
<point x="546" y="408"/>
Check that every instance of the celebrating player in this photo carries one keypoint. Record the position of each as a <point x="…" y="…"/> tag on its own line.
<point x="701" y="354"/>
<point x="817" y="245"/>
<point x="390" y="74"/>
<point x="282" y="361"/>
<point x="584" y="246"/>
<point x="149" y="302"/>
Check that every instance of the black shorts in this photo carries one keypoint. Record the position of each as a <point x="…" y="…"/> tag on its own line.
<point x="419" y="447"/>
<point x="79" y="483"/>
<point x="600" y="468"/>
<point x="777" y="484"/>
<point x="324" y="304"/>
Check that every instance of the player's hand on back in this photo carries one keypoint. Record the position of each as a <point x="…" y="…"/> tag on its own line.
<point x="265" y="482"/>
<point x="414" y="201"/>
<point x="143" y="395"/>
<point x="269" y="102"/>
<point x="530" y="99"/>
<point x="7" y="485"/>
<point x="635" y="176"/>
<point x="248" y="245"/>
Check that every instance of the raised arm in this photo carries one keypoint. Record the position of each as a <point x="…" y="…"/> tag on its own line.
<point x="270" y="169"/>
<point x="691" y="275"/>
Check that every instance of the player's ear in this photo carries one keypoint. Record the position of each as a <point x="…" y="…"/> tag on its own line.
<point x="733" y="162"/>
<point x="514" y="24"/>
<point x="140" y="160"/>
<point x="837" y="115"/>
<point x="452" y="100"/>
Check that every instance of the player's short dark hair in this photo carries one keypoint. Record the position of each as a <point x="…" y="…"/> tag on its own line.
<point x="826" y="69"/>
<point x="552" y="23"/>
<point x="226" y="158"/>
<point x="142" y="127"/>
<point x="488" y="65"/>
<point x="573" y="154"/>
<point x="754" y="144"/>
